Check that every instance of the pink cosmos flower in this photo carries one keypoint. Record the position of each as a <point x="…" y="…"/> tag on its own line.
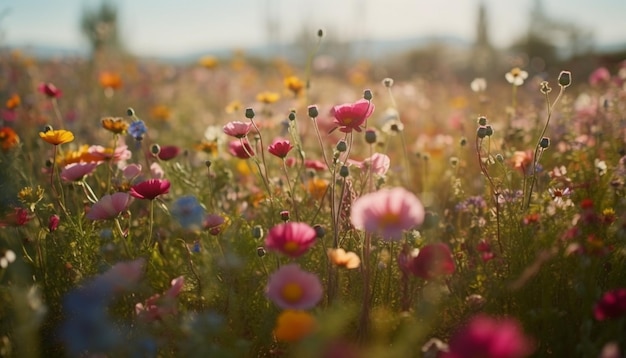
<point x="150" y="189"/>
<point x="292" y="238"/>
<point x="168" y="152"/>
<point x="432" y="261"/>
<point x="158" y="307"/>
<point x="237" y="129"/>
<point x="599" y="76"/>
<point x="131" y="171"/>
<point x="49" y="90"/>
<point x="156" y="171"/>
<point x="77" y="171"/>
<point x="236" y="148"/>
<point x="289" y="287"/>
<point x="119" y="154"/>
<point x="214" y="223"/>
<point x="611" y="305"/>
<point x="350" y="116"/>
<point x="488" y="337"/>
<point x="387" y="212"/>
<point x="280" y="147"/>
<point x="379" y="163"/>
<point x="122" y="275"/>
<point x="109" y="206"/>
<point x="316" y="165"/>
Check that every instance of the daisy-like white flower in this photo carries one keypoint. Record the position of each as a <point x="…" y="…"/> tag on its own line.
<point x="516" y="76"/>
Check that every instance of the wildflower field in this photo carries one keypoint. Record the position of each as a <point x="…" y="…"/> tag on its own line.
<point x="234" y="209"/>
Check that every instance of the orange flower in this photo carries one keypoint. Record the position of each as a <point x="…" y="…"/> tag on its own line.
<point x="56" y="137"/>
<point x="294" y="84"/>
<point x="292" y="326"/>
<point x="317" y="188"/>
<point x="115" y="125"/>
<point x="13" y="102"/>
<point x="161" y="112"/>
<point x="8" y="138"/>
<point x="341" y="258"/>
<point x="522" y="159"/>
<point x="110" y="80"/>
<point x="267" y="97"/>
<point x="209" y="62"/>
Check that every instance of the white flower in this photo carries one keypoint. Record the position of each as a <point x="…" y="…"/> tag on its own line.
<point x="7" y="258"/>
<point x="600" y="166"/>
<point x="479" y="84"/>
<point x="516" y="76"/>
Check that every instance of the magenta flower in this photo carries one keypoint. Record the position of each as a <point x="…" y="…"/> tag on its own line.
<point x="150" y="189"/>
<point x="350" y="116"/>
<point x="280" y="147"/>
<point x="109" y="206"/>
<point x="236" y="148"/>
<point x="378" y="163"/>
<point x="289" y="287"/>
<point x="387" y="212"/>
<point x="158" y="307"/>
<point x="292" y="238"/>
<point x="611" y="305"/>
<point x="53" y="222"/>
<point x="488" y="337"/>
<point x="599" y="75"/>
<point x="432" y="261"/>
<point x="237" y="129"/>
<point x="168" y="152"/>
<point x="77" y="171"/>
<point x="49" y="90"/>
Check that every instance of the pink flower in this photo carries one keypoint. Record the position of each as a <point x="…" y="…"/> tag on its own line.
<point x="280" y="147"/>
<point x="121" y="153"/>
<point x="168" y="152"/>
<point x="131" y="171"/>
<point x="236" y="148"/>
<point x="314" y="164"/>
<point x="432" y="261"/>
<point x="599" y="76"/>
<point x="109" y="206"/>
<point x="379" y="163"/>
<point x="53" y="222"/>
<point x="292" y="238"/>
<point x="156" y="171"/>
<point x="349" y="116"/>
<point x="77" y="171"/>
<point x="122" y="275"/>
<point x="150" y="189"/>
<point x="488" y="337"/>
<point x="237" y="129"/>
<point x="49" y="90"/>
<point x="289" y="287"/>
<point x="158" y="307"/>
<point x="387" y="212"/>
<point x="214" y="223"/>
<point x="611" y="305"/>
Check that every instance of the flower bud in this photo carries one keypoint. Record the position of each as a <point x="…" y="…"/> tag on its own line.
<point x="284" y="215"/>
<point x="313" y="113"/>
<point x="482" y="121"/>
<point x="388" y="82"/>
<point x="545" y="87"/>
<point x="130" y="112"/>
<point x="481" y="132"/>
<point x="292" y="116"/>
<point x="499" y="158"/>
<point x="463" y="142"/>
<point x="155" y="149"/>
<point x="47" y="128"/>
<point x="319" y="231"/>
<point x="565" y="78"/>
<point x="257" y="231"/>
<point x="342" y="146"/>
<point x="208" y="163"/>
<point x="344" y="171"/>
<point x="320" y="33"/>
<point x="370" y="136"/>
<point x="544" y="143"/>
<point x="249" y="113"/>
<point x="260" y="251"/>
<point x="53" y="223"/>
<point x="367" y="94"/>
<point x="489" y="131"/>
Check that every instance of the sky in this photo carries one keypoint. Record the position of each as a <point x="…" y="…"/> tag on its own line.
<point x="179" y="27"/>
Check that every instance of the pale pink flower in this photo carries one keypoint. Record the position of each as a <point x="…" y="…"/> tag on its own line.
<point x="237" y="129"/>
<point x="131" y="171"/>
<point x="157" y="171"/>
<point x="158" y="307"/>
<point x="350" y="116"/>
<point x="289" y="287"/>
<point x="109" y="206"/>
<point x="599" y="76"/>
<point x="77" y="171"/>
<point x="387" y="212"/>
<point x="378" y="163"/>
<point x="122" y="275"/>
<point x="119" y="154"/>
<point x="292" y="238"/>
<point x="240" y="149"/>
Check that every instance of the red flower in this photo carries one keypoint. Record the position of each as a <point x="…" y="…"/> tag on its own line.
<point x="19" y="217"/>
<point x="349" y="116"/>
<point x="432" y="261"/>
<point x="150" y="189"/>
<point x="611" y="305"/>
<point x="49" y="90"/>
<point x="280" y="147"/>
<point x="53" y="222"/>
<point x="168" y="152"/>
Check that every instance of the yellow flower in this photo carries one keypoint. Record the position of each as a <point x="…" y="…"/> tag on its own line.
<point x="317" y="188"/>
<point x="57" y="136"/>
<point x="294" y="84"/>
<point x="207" y="147"/>
<point x="115" y="125"/>
<point x="292" y="326"/>
<point x="267" y="97"/>
<point x="208" y="62"/>
<point x="233" y="107"/>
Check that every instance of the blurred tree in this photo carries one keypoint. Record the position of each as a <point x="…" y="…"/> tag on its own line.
<point x="100" y="27"/>
<point x="483" y="54"/>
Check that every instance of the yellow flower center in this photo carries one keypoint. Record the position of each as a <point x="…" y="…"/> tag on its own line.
<point x="389" y="219"/>
<point x="291" y="246"/>
<point x="292" y="292"/>
<point x="347" y="120"/>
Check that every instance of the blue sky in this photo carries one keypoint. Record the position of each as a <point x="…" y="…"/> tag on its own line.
<point x="177" y="27"/>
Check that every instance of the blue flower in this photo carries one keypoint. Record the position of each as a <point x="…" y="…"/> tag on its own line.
<point x="188" y="212"/>
<point x="137" y="129"/>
